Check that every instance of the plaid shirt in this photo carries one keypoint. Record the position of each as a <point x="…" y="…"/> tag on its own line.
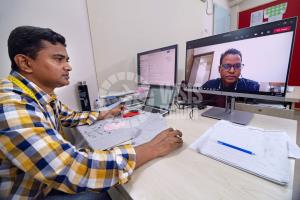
<point x="34" y="157"/>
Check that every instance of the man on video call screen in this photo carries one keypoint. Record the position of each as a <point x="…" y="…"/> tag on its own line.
<point x="230" y="71"/>
<point x="256" y="65"/>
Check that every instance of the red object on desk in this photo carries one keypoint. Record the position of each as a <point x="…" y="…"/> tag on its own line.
<point x="131" y="114"/>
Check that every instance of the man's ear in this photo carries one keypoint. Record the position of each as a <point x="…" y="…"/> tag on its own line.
<point x="219" y="68"/>
<point x="23" y="63"/>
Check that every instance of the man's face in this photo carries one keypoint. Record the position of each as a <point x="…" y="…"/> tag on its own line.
<point x="231" y="75"/>
<point x="50" y="69"/>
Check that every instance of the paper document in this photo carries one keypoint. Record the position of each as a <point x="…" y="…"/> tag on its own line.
<point x="154" y="124"/>
<point x="136" y="130"/>
<point x="257" y="151"/>
<point x="104" y="134"/>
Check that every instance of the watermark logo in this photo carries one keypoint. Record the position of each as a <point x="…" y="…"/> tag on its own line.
<point x="164" y="97"/>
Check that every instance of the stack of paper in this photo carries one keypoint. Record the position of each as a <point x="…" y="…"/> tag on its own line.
<point x="257" y="151"/>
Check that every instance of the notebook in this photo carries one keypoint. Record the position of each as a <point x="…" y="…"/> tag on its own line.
<point x="159" y="99"/>
<point x="263" y="153"/>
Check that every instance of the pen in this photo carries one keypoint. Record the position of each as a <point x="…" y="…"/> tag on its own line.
<point x="235" y="147"/>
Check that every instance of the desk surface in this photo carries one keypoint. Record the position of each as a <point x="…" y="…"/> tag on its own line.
<point x="186" y="174"/>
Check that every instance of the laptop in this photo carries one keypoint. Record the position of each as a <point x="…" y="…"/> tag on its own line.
<point x="159" y="99"/>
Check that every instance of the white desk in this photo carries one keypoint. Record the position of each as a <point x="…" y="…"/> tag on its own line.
<point x="186" y="174"/>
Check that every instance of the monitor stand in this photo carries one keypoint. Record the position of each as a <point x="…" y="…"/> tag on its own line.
<point x="228" y="113"/>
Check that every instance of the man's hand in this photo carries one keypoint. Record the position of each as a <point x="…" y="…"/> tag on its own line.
<point x="164" y="143"/>
<point x="117" y="110"/>
<point x="111" y="113"/>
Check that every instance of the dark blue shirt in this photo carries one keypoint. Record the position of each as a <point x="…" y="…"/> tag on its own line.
<point x="242" y="85"/>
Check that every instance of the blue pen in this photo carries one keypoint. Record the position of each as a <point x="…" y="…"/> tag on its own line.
<point x="235" y="147"/>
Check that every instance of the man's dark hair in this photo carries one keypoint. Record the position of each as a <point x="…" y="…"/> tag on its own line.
<point x="27" y="40"/>
<point x="230" y="51"/>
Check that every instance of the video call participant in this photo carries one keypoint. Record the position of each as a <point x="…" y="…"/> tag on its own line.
<point x="230" y="71"/>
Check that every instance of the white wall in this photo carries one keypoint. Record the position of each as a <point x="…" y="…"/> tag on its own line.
<point x="120" y="29"/>
<point x="67" y="17"/>
<point x="248" y="4"/>
<point x="244" y="5"/>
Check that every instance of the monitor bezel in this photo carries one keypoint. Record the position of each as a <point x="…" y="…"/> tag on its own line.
<point x="240" y="35"/>
<point x="175" y="46"/>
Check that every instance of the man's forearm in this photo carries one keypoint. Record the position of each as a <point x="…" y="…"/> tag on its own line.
<point x="110" y="113"/>
<point x="104" y="114"/>
<point x="144" y="153"/>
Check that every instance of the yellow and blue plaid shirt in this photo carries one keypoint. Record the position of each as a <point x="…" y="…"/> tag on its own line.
<point x="35" y="157"/>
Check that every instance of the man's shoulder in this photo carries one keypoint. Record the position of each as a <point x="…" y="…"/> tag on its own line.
<point x="248" y="85"/>
<point x="249" y="81"/>
<point x="5" y="84"/>
<point x="7" y="87"/>
<point x="8" y="92"/>
<point x="214" y="83"/>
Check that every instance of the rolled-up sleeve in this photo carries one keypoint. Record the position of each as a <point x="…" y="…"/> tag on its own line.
<point x="70" y="118"/>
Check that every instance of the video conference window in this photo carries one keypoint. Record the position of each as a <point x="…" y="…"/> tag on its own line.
<point x="256" y="65"/>
<point x="158" y="68"/>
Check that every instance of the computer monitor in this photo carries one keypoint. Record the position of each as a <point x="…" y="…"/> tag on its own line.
<point x="158" y="66"/>
<point x="252" y="62"/>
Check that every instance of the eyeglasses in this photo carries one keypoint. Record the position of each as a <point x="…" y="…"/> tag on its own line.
<point x="235" y="66"/>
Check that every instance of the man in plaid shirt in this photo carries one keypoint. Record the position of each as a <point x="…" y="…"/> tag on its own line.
<point x="36" y="161"/>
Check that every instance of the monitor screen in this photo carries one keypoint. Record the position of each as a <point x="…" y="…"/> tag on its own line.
<point x="158" y="67"/>
<point x="254" y="60"/>
<point x="160" y="97"/>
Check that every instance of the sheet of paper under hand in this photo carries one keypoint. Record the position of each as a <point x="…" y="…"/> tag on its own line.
<point x="154" y="124"/>
<point x="107" y="133"/>
<point x="135" y="130"/>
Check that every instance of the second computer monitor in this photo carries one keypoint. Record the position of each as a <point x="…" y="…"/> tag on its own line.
<point x="253" y="61"/>
<point x="158" y="66"/>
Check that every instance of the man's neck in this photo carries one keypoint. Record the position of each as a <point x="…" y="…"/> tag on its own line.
<point x="46" y="89"/>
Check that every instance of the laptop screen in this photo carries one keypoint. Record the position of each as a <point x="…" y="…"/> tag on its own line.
<point x="160" y="97"/>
